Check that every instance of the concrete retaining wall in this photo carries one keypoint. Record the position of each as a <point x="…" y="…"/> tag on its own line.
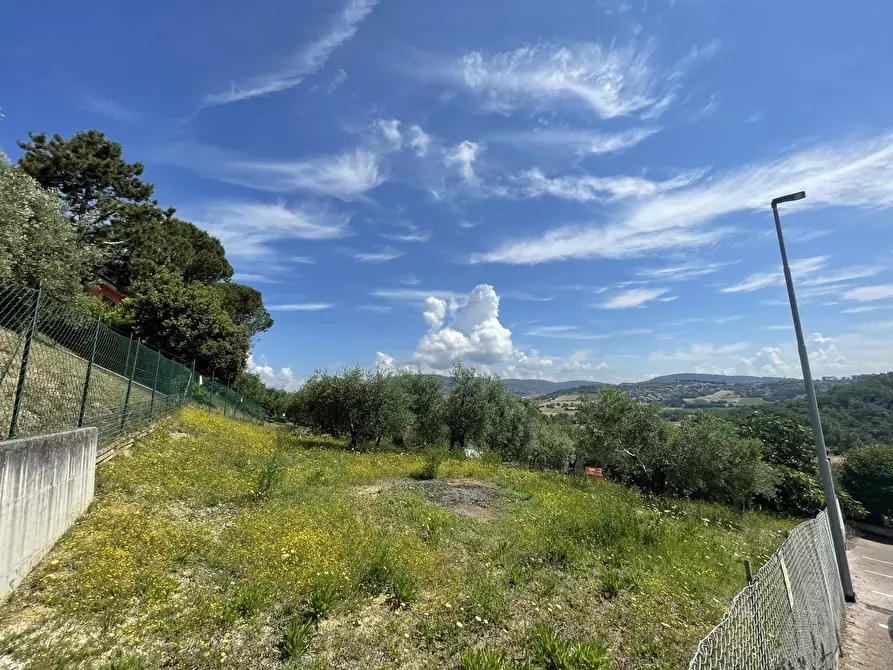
<point x="46" y="482"/>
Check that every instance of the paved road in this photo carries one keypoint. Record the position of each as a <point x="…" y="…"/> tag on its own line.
<point x="868" y="645"/>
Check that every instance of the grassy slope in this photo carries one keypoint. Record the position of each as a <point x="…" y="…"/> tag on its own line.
<point x="178" y="564"/>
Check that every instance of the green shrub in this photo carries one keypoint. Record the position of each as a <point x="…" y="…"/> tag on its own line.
<point x="296" y="638"/>
<point x="434" y="456"/>
<point x="248" y="599"/>
<point x="482" y="658"/>
<point x="589" y="656"/>
<point x="271" y="474"/>
<point x="867" y="475"/>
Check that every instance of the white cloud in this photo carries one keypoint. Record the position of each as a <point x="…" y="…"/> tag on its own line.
<point x="576" y="141"/>
<point x="699" y="352"/>
<point x="302" y="307"/>
<point x="707" y="110"/>
<point x="584" y="188"/>
<point x="760" y="280"/>
<point x="390" y="129"/>
<point x="283" y="379"/>
<point x="346" y="176"/>
<point x="250" y="277"/>
<point x="383" y="256"/>
<point x="410" y="233"/>
<point x="564" y="333"/>
<point x="474" y="334"/>
<point x="411" y="294"/>
<point x="109" y="108"/>
<point x="307" y="62"/>
<point x="339" y="79"/>
<point x="435" y="311"/>
<point x="864" y="308"/>
<point x="847" y="274"/>
<point x="869" y="293"/>
<point x="419" y="140"/>
<point x="682" y="272"/>
<point x="250" y="229"/>
<point x="463" y="155"/>
<point x="411" y="280"/>
<point x="854" y="174"/>
<point x="610" y="80"/>
<point x="632" y="298"/>
<point x="530" y="297"/>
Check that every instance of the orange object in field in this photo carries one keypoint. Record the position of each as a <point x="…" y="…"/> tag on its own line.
<point x="595" y="473"/>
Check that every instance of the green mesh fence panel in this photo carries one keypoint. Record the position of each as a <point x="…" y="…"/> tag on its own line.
<point x="62" y="368"/>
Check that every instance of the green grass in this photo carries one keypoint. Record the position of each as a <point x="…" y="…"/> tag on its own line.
<point x="215" y="544"/>
<point x="751" y="401"/>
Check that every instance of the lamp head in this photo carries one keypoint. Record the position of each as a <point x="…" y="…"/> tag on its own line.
<point x="799" y="195"/>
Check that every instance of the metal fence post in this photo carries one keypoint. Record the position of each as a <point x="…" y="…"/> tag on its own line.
<point x="154" y="384"/>
<point x="170" y="381"/>
<point x="758" y="628"/>
<point x="23" y="370"/>
<point x="189" y="381"/>
<point x="210" y="392"/>
<point x="225" y="394"/>
<point x="89" y="373"/>
<point x="832" y="619"/>
<point x="136" y="357"/>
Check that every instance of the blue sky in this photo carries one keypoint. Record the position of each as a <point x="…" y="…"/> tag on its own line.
<point x="561" y="190"/>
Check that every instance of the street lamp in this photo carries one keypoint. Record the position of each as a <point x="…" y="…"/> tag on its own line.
<point x="815" y="420"/>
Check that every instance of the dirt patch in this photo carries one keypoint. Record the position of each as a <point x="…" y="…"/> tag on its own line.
<point x="466" y="497"/>
<point x="179" y="435"/>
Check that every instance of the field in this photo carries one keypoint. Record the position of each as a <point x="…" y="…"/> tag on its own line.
<point x="216" y="544"/>
<point x="559" y="404"/>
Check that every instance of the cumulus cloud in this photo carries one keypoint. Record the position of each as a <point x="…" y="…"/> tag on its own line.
<point x="284" y="378"/>
<point x="468" y="328"/>
<point x="309" y="60"/>
<point x="435" y="311"/>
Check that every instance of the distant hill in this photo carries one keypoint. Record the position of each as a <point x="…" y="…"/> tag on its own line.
<point x="529" y="388"/>
<point x="859" y="412"/>
<point x="718" y="379"/>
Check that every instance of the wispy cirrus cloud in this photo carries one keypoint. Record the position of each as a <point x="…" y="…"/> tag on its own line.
<point x="309" y="60"/>
<point x="759" y="280"/>
<point x="633" y="298"/>
<point x="581" y="142"/>
<point x="585" y="188"/>
<point x="107" y="107"/>
<point x="564" y="333"/>
<point x="869" y="293"/>
<point x="699" y="352"/>
<point x="302" y="307"/>
<point x="411" y="294"/>
<point x="381" y="256"/>
<point x="347" y="175"/>
<point x="610" y="80"/>
<point x="683" y="271"/>
<point x="854" y="174"/>
<point x="250" y="230"/>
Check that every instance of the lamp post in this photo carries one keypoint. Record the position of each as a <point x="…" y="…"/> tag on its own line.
<point x="815" y="420"/>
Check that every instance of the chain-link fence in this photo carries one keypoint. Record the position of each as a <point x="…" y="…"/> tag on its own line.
<point x="61" y="368"/>
<point x="789" y="616"/>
